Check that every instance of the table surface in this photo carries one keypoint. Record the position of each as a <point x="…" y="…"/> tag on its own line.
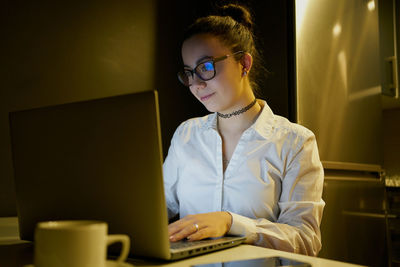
<point x="15" y="253"/>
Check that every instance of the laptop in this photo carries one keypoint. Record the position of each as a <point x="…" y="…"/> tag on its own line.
<point x="99" y="159"/>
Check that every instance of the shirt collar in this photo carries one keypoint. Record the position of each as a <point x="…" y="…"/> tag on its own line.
<point x="262" y="125"/>
<point x="211" y="122"/>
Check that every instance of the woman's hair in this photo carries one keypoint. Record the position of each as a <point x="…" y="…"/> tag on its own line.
<point x="233" y="26"/>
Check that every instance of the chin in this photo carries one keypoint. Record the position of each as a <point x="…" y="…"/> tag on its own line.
<point x="210" y="108"/>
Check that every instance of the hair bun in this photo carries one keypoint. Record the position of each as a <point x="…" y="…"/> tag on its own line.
<point x="237" y="12"/>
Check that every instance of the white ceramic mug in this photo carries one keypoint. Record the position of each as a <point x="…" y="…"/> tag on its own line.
<point x="75" y="243"/>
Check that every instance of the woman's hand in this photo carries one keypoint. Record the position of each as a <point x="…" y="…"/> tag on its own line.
<point x="200" y="226"/>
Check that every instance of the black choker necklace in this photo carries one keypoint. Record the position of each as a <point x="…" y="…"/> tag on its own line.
<point x="238" y="112"/>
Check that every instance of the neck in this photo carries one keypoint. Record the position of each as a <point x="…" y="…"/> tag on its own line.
<point x="238" y="124"/>
<point x="239" y="111"/>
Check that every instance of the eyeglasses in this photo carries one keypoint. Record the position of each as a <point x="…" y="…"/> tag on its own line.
<point x="205" y="70"/>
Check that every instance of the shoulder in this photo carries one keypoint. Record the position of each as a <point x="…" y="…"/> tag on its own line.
<point x="277" y="128"/>
<point x="283" y="126"/>
<point x="286" y="136"/>
<point x="293" y="141"/>
<point x="194" y="126"/>
<point x="293" y="138"/>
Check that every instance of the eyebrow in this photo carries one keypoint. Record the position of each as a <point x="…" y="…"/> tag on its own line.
<point x="199" y="60"/>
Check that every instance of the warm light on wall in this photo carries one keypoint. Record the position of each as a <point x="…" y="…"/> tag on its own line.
<point x="301" y="7"/>
<point x="337" y="29"/>
<point x="371" y="5"/>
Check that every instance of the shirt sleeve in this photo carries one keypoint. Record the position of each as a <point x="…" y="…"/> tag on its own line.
<point x="301" y="206"/>
<point x="170" y="175"/>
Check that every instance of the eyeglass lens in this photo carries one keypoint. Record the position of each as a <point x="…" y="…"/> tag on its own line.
<point x="204" y="71"/>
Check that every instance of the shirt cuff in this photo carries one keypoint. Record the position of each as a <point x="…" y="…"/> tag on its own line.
<point x="243" y="226"/>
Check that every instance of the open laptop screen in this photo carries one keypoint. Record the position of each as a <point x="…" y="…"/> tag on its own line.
<point x="98" y="159"/>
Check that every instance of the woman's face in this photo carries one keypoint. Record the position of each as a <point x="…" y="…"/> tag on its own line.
<point x="224" y="93"/>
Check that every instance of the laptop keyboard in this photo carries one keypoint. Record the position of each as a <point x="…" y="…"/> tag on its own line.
<point x="185" y="248"/>
<point x="185" y="244"/>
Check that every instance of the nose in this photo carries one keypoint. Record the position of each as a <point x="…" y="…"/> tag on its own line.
<point x="198" y="83"/>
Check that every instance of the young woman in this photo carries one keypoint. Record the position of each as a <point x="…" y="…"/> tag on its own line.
<point x="240" y="170"/>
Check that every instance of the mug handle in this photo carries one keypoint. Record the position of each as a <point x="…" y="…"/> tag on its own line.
<point x="124" y="239"/>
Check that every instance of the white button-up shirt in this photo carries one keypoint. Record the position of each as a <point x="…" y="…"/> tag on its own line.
<point x="272" y="185"/>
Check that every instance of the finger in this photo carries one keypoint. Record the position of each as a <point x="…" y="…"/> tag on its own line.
<point x="201" y="234"/>
<point x="181" y="224"/>
<point x="172" y="229"/>
<point x="185" y="232"/>
<point x="178" y="226"/>
<point x="188" y="230"/>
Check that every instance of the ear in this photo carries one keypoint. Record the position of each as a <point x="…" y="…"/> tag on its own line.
<point x="246" y="61"/>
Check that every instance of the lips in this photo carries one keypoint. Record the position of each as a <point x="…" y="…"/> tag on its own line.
<point x="206" y="97"/>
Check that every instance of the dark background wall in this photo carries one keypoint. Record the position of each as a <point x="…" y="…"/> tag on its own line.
<point x="63" y="51"/>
